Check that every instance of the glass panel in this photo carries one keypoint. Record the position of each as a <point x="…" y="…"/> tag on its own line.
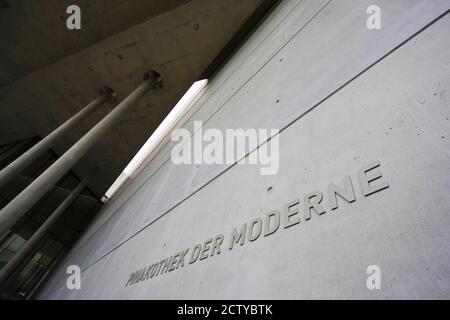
<point x="14" y="187"/>
<point x="35" y="169"/>
<point x="69" y="182"/>
<point x="15" y="245"/>
<point x="25" y="228"/>
<point x="27" y="279"/>
<point x="48" y="252"/>
<point x="48" y="204"/>
<point x="79" y="210"/>
<point x="12" y="242"/>
<point x="5" y="256"/>
<point x="62" y="236"/>
<point x="15" y="151"/>
<point x="5" y="239"/>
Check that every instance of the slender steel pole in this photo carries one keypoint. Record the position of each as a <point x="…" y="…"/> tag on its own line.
<point x="10" y="269"/>
<point x="23" y="202"/>
<point x="17" y="166"/>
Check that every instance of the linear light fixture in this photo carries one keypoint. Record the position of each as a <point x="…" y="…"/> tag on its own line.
<point x="166" y="126"/>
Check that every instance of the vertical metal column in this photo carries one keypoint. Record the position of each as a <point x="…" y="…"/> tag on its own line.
<point x="49" y="141"/>
<point x="12" y="212"/>
<point x="12" y="267"/>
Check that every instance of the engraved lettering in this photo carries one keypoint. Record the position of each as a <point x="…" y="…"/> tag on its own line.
<point x="254" y="225"/>
<point x="290" y="212"/>
<point x="347" y="193"/>
<point x="275" y="216"/>
<point x="216" y="245"/>
<point x="205" y="249"/>
<point x="365" y="180"/>
<point x="195" y="253"/>
<point x="238" y="237"/>
<point x="312" y="201"/>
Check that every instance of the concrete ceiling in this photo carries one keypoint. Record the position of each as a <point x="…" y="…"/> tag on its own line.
<point x="48" y="73"/>
<point x="33" y="33"/>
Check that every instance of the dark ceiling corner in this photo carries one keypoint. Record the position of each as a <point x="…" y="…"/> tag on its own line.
<point x="246" y="30"/>
<point x="4" y="4"/>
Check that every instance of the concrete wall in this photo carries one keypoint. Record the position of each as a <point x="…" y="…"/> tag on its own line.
<point x="344" y="97"/>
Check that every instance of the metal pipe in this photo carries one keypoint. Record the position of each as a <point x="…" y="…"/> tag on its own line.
<point x="18" y="165"/>
<point x="13" y="266"/>
<point x="23" y="202"/>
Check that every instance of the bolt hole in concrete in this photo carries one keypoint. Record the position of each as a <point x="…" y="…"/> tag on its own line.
<point x="196" y="26"/>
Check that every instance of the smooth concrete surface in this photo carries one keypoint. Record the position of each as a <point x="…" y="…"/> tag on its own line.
<point x="347" y="97"/>
<point x="29" y="30"/>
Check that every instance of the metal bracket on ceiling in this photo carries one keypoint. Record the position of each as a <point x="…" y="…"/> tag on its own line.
<point x="156" y="77"/>
<point x="112" y="95"/>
